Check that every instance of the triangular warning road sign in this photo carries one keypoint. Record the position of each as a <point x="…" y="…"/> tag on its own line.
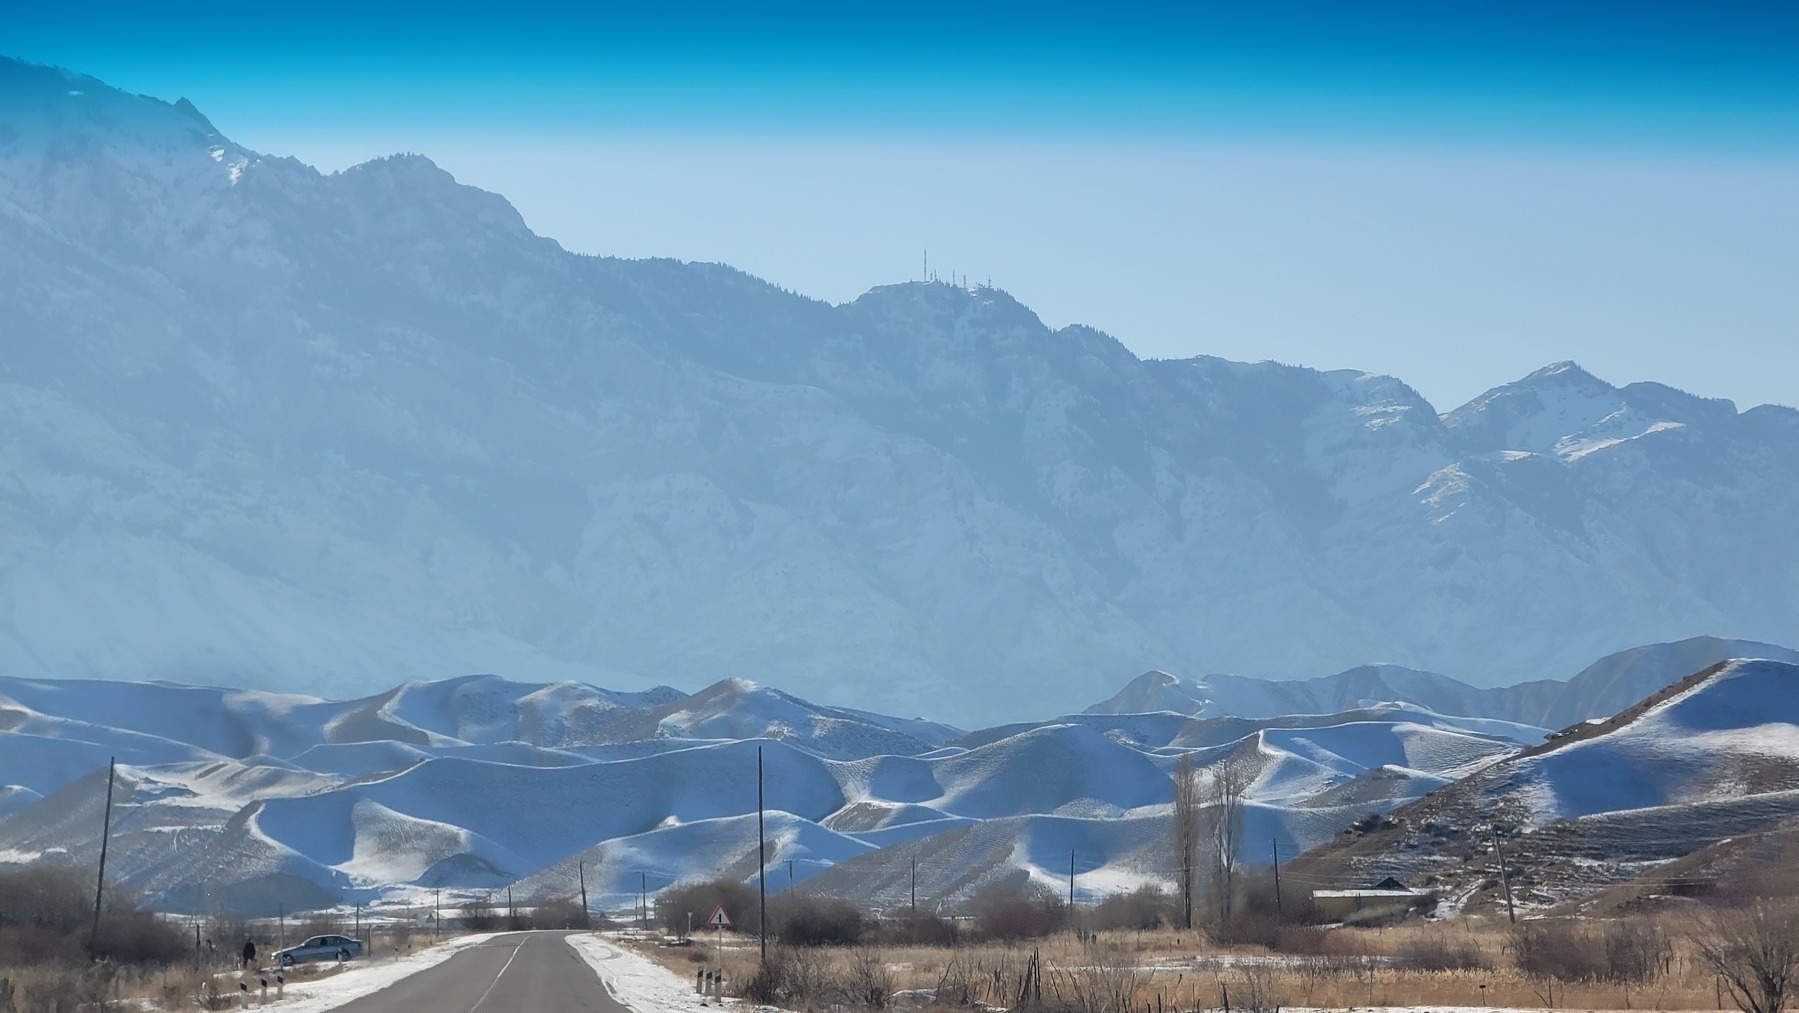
<point x="719" y="918"/>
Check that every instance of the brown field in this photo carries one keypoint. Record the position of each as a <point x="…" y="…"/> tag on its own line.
<point x="1158" y="971"/>
<point x="57" y="988"/>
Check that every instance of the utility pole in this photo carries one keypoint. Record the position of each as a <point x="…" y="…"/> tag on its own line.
<point x="511" y="913"/>
<point x="761" y="865"/>
<point x="359" y="921"/>
<point x="1505" y="881"/>
<point x="581" y="871"/>
<point x="914" y="886"/>
<point x="790" y="877"/>
<point x="1277" y="880"/>
<point x="93" y="940"/>
<point x="437" y="912"/>
<point x="643" y="899"/>
<point x="1071" y="884"/>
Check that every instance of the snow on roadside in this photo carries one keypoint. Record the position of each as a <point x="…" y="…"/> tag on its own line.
<point x="366" y="979"/>
<point x="636" y="981"/>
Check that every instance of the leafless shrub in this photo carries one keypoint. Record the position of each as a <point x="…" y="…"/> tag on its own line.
<point x="917" y="929"/>
<point x="1559" y="950"/>
<point x="1302" y="940"/>
<point x="1755" y="953"/>
<point x="322" y="923"/>
<point x="812" y="921"/>
<point x="1255" y="991"/>
<point x="479" y="916"/>
<point x="996" y="978"/>
<point x="1636" y="950"/>
<point x="1620" y="951"/>
<point x="792" y="977"/>
<point x="68" y="989"/>
<point x="1147" y="907"/>
<point x="46" y="912"/>
<point x="960" y="983"/>
<point x="1438" y="953"/>
<point x="1005" y="911"/>
<point x="678" y="904"/>
<point x="556" y="913"/>
<point x="1107" y="983"/>
<point x="868" y="982"/>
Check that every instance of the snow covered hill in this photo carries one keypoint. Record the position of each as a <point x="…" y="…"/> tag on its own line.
<point x="246" y="800"/>
<point x="1711" y="757"/>
<point x="315" y="433"/>
<point x="1600" y="690"/>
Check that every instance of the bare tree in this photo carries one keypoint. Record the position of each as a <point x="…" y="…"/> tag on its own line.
<point x="1755" y="953"/>
<point x="1186" y="833"/>
<point x="1221" y="807"/>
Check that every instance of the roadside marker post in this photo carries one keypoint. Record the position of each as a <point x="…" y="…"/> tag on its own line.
<point x="719" y="921"/>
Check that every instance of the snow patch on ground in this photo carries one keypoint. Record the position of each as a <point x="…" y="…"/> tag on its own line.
<point x="367" y="979"/>
<point x="638" y="982"/>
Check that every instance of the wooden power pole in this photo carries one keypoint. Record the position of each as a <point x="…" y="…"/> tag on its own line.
<point x="1277" y="880"/>
<point x="1505" y="880"/>
<point x="581" y="871"/>
<point x="93" y="940"/>
<point x="761" y="865"/>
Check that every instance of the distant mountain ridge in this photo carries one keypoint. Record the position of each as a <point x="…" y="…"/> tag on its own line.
<point x="268" y="427"/>
<point x="1599" y="690"/>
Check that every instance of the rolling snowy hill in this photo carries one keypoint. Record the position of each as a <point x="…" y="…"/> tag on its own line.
<point x="236" y="799"/>
<point x="1712" y="757"/>
<point x="315" y="433"/>
<point x="1600" y="690"/>
<point x="254" y="801"/>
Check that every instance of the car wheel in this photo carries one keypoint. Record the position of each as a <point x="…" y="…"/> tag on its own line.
<point x="343" y="954"/>
<point x="287" y="960"/>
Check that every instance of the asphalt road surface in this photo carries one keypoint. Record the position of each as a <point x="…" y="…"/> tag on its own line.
<point x="523" y="971"/>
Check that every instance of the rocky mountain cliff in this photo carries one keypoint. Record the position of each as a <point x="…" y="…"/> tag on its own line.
<point x="270" y="427"/>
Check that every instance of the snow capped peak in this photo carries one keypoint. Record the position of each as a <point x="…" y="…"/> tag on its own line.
<point x="1564" y="373"/>
<point x="1560" y="409"/>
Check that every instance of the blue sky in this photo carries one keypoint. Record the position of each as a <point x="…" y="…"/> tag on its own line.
<point x="1453" y="192"/>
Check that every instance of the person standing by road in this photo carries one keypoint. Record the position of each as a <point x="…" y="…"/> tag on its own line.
<point x="249" y="953"/>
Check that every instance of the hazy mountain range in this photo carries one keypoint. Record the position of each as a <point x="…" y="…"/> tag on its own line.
<point x="269" y="427"/>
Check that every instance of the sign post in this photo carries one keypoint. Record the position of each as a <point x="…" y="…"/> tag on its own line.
<point x="719" y="921"/>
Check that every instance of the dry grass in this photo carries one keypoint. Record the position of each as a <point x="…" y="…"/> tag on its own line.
<point x="1164" y="972"/>
<point x="65" y="987"/>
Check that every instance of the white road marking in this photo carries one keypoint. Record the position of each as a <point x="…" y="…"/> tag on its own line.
<point x="502" y="974"/>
